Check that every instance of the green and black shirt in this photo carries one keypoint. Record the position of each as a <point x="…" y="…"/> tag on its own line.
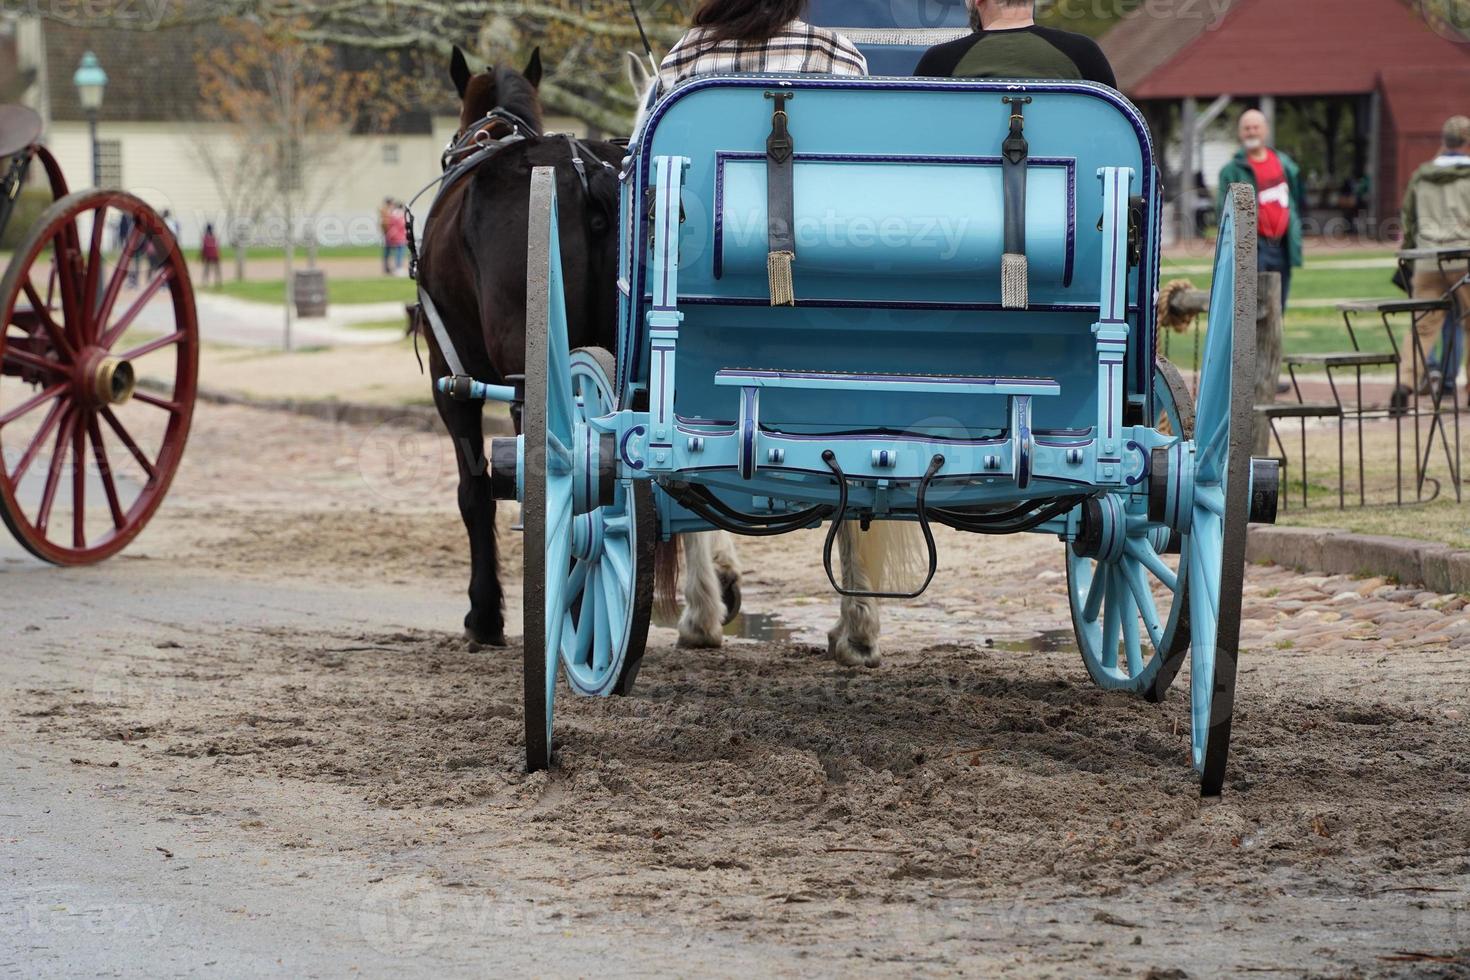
<point x="1020" y="52"/>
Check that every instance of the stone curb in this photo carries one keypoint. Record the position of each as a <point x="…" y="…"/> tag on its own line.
<point x="1332" y="551"/>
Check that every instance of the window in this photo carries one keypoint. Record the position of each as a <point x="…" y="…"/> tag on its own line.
<point x="109" y="163"/>
<point x="390" y="153"/>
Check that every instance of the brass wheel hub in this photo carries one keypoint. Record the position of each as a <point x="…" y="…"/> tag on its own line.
<point x="113" y="381"/>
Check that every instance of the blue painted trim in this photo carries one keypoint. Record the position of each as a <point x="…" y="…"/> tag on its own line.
<point x="861" y="304"/>
<point x="636" y="430"/>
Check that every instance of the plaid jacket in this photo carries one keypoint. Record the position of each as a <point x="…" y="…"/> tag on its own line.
<point x="798" y="47"/>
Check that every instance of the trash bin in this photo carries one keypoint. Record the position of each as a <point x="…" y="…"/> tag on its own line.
<point x="310" y="289"/>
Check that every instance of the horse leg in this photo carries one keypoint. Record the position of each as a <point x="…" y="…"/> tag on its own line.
<point x="853" y="642"/>
<point x="727" y="567"/>
<point x="484" y="625"/>
<point x="700" y="623"/>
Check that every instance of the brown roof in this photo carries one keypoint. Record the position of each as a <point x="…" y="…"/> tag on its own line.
<point x="1259" y="47"/>
<point x="151" y="75"/>
<point x="1144" y="41"/>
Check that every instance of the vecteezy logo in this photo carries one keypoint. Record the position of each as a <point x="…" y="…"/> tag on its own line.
<point x="1449" y="19"/>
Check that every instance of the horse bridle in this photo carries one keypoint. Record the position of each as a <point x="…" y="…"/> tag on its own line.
<point x="497" y="127"/>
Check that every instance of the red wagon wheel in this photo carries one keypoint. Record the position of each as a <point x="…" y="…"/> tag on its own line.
<point x="99" y="357"/>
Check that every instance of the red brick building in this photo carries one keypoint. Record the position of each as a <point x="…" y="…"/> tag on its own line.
<point x="1400" y="73"/>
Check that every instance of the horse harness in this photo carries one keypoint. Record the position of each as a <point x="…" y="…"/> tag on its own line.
<point x="497" y="130"/>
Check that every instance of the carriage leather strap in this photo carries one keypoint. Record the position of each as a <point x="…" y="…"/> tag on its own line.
<point x="441" y="335"/>
<point x="1015" y="153"/>
<point x="781" y="203"/>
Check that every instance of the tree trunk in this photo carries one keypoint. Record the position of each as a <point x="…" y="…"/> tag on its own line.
<point x="1269" y="324"/>
<point x="239" y="261"/>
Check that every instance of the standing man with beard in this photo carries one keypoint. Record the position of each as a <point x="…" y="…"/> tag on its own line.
<point x="1279" y="192"/>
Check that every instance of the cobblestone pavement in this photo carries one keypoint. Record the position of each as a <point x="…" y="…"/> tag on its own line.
<point x="259" y="729"/>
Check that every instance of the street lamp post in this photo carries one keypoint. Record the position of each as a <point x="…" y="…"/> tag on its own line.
<point x="91" y="82"/>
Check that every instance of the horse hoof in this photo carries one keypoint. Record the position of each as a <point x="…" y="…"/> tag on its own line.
<point x="475" y="643"/>
<point x="852" y="654"/>
<point x="699" y="638"/>
<point x="730" y="594"/>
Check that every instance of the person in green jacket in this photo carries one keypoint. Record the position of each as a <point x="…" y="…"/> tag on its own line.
<point x="1437" y="215"/>
<point x="1279" y="193"/>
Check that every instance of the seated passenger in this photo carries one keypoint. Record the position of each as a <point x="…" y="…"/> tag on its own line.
<point x="757" y="36"/>
<point x="1008" y="43"/>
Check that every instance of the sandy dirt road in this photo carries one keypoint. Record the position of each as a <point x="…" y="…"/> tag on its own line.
<point x="253" y="745"/>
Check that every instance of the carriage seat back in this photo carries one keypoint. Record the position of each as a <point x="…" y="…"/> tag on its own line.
<point x="899" y="216"/>
<point x="897" y="185"/>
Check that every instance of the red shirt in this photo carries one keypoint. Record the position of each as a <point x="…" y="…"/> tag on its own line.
<point x="1274" y="195"/>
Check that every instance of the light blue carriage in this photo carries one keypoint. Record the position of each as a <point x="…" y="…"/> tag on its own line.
<point x="922" y="373"/>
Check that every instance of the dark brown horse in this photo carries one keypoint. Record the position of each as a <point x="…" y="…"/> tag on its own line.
<point x="472" y="264"/>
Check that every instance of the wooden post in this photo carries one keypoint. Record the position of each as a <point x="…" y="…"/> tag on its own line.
<point x="1269" y="326"/>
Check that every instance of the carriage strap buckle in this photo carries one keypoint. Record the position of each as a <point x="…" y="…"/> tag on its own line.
<point x="780" y="203"/>
<point x="1015" y="153"/>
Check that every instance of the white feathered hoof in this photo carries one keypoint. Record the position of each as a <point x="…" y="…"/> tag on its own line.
<point x="699" y="636"/>
<point x="852" y="653"/>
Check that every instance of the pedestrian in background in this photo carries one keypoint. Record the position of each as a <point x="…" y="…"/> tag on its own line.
<point x="395" y="237"/>
<point x="1437" y="215"/>
<point x="209" y="253"/>
<point x="385" y="211"/>
<point x="1279" y="194"/>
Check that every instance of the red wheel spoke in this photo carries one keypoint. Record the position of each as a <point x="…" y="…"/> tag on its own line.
<point x="90" y="326"/>
<point x="78" y="482"/>
<point x="104" y="470"/>
<point x="53" y="475"/>
<point x="173" y="408"/>
<point x="119" y="276"/>
<point x="127" y="440"/>
<point x="126" y="320"/>
<point x="151" y="346"/>
<point x="31" y="404"/>
<point x="53" y="329"/>
<point x="26" y="359"/>
<point x="65" y="251"/>
<point x="47" y="424"/>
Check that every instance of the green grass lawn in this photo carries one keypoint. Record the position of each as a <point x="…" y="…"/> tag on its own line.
<point x="227" y="254"/>
<point x="1320" y="284"/>
<point x="1316" y="329"/>
<point x="381" y="289"/>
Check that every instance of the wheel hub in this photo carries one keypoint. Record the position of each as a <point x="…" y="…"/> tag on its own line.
<point x="106" y="380"/>
<point x="587" y="537"/>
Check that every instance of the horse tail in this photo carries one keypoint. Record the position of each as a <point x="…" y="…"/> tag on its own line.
<point x="666" y="562"/>
<point x="894" y="554"/>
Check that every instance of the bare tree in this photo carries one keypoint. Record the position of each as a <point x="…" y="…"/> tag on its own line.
<point x="287" y="105"/>
<point x="582" y="40"/>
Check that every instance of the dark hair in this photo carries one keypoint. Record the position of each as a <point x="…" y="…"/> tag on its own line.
<point x="746" y="20"/>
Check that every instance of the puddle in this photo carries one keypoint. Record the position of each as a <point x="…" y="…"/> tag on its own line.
<point x="748" y="626"/>
<point x="1048" y="641"/>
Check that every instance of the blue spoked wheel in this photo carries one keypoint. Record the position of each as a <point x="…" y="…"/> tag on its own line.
<point x="588" y="577"/>
<point x="610" y="590"/>
<point x="1127" y="612"/>
<point x="1214" y="541"/>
